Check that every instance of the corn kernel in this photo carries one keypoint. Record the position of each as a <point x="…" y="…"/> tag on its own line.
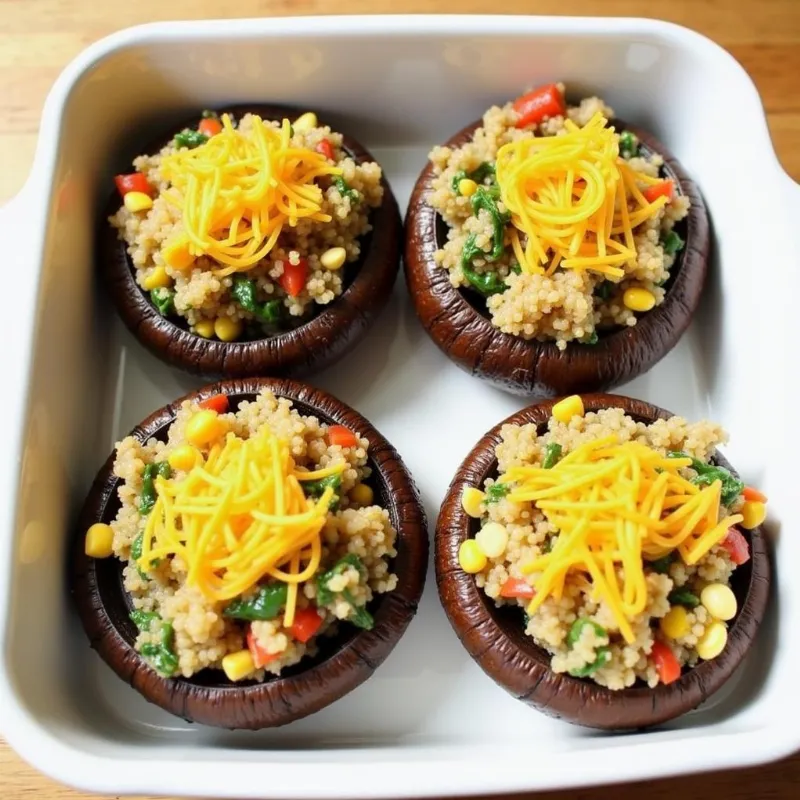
<point x="157" y="279"/>
<point x="638" y="299"/>
<point x="183" y="458"/>
<point x="334" y="258"/>
<point x="176" y="253"/>
<point x="564" y="410"/>
<point x="137" y="201"/>
<point x="99" y="541"/>
<point x="719" y="600"/>
<point x="205" y="328"/>
<point x="713" y="641"/>
<point x="471" y="499"/>
<point x="674" y="623"/>
<point x="754" y="514"/>
<point x="362" y="494"/>
<point x="228" y="329"/>
<point x="238" y="666"/>
<point x="204" y="427"/>
<point x="492" y="539"/>
<point x="471" y="557"/>
<point x="467" y="187"/>
<point x="305" y="122"/>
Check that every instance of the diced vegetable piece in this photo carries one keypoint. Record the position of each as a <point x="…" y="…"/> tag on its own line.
<point x="162" y="656"/>
<point x="265" y="604"/>
<point x="470" y="557"/>
<point x="516" y="587"/>
<point x="324" y="595"/>
<point x="753" y="494"/>
<point x="238" y="666"/>
<point x="708" y="473"/>
<point x="99" y="541"/>
<point x="217" y="402"/>
<point x="135" y="182"/>
<point x="667" y="665"/>
<point x="259" y="654"/>
<point x="294" y="277"/>
<point x="143" y="620"/>
<point x="316" y="488"/>
<point x="546" y="101"/>
<point x="578" y="626"/>
<point x="326" y="148"/>
<point x="683" y="597"/>
<point x="164" y="300"/>
<point x="306" y="623"/>
<point x="209" y="127"/>
<point x="552" y="453"/>
<point x="572" y="406"/>
<point x="341" y="436"/>
<point x="737" y="546"/>
<point x="661" y="189"/>
<point x="754" y="514"/>
<point x="672" y="243"/>
<point x="147" y="498"/>
<point x="359" y="615"/>
<point x="662" y="565"/>
<point x="628" y="145"/>
<point x="345" y="190"/>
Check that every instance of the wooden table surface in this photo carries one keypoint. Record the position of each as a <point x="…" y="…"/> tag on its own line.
<point x="38" y="37"/>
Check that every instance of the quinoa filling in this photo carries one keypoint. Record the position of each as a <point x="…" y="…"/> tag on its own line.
<point x="562" y="224"/>
<point x="617" y="539"/>
<point x="247" y="536"/>
<point x="242" y="229"/>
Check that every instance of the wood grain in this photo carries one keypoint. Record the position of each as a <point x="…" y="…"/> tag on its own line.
<point x="38" y="37"/>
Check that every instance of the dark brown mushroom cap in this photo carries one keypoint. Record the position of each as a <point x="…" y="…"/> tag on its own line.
<point x="318" y="343"/>
<point x="458" y="323"/>
<point x="495" y="637"/>
<point x="344" y="661"/>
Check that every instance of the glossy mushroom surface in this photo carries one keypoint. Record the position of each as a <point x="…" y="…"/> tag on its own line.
<point x="322" y="340"/>
<point x="344" y="661"/>
<point x="495" y="637"/>
<point x="458" y="322"/>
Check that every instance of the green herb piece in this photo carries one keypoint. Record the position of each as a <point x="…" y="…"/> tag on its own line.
<point x="662" y="565"/>
<point x="163" y="299"/>
<point x="602" y="654"/>
<point x="324" y="595"/>
<point x="497" y="491"/>
<point x="148" y="497"/>
<point x="244" y="293"/>
<point x="265" y="604"/>
<point x="162" y="656"/>
<point x="592" y="339"/>
<point x="143" y="620"/>
<point x="672" y="243"/>
<point x="604" y="290"/>
<point x="486" y="199"/>
<point x="209" y="114"/>
<point x="628" y="145"/>
<point x="578" y="627"/>
<point x="549" y="544"/>
<point x="136" y="554"/>
<point x="487" y="283"/>
<point x="344" y="189"/>
<point x="360" y="617"/>
<point x="516" y="268"/>
<point x="552" y="455"/>
<point x="190" y="139"/>
<point x="708" y="473"/>
<point x="683" y="597"/>
<point x="479" y="175"/>
<point x="317" y="488"/>
<point x="291" y="131"/>
<point x="602" y="657"/>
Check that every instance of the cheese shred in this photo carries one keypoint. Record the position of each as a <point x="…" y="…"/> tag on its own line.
<point x="238" y="518"/>
<point x="616" y="506"/>
<point x="574" y="199"/>
<point x="238" y="190"/>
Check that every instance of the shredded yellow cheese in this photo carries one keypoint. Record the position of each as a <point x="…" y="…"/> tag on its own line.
<point x="574" y="199"/>
<point x="615" y="505"/>
<point x="238" y="517"/>
<point x="238" y="190"/>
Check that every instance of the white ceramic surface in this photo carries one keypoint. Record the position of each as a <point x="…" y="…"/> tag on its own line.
<point x="429" y="722"/>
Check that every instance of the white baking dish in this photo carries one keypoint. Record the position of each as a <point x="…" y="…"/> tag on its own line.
<point x="429" y="722"/>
